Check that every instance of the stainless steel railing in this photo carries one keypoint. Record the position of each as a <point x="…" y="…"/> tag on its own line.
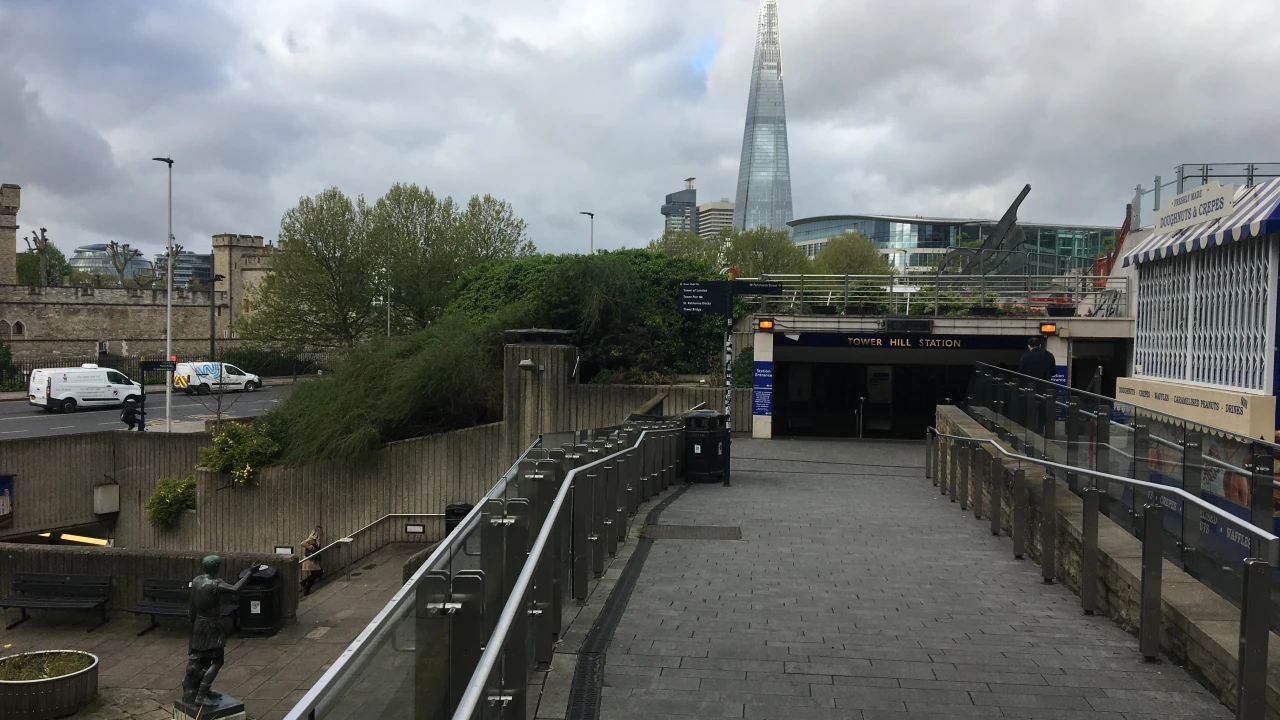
<point x="953" y="478"/>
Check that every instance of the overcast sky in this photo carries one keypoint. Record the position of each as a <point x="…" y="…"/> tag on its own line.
<point x="931" y="107"/>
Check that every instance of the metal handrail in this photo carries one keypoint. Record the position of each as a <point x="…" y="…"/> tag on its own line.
<point x="515" y="602"/>
<point x="344" y="667"/>
<point x="1153" y="411"/>
<point x="350" y="538"/>
<point x="1167" y="443"/>
<point x="1227" y="466"/>
<point x="1271" y="541"/>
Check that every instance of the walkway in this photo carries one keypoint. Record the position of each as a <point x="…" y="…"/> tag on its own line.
<point x="858" y="592"/>
<point x="141" y="676"/>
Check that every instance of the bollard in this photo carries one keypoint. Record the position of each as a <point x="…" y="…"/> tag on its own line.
<point x="1149" y="619"/>
<point x="998" y="472"/>
<point x="981" y="461"/>
<point x="966" y="464"/>
<point x="1089" y="552"/>
<point x="1251" y="672"/>
<point x="1018" y="499"/>
<point x="1048" y="527"/>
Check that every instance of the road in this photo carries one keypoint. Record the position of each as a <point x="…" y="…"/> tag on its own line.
<point x="18" y="419"/>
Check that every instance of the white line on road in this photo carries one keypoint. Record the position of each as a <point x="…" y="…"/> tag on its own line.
<point x="63" y="427"/>
<point x="10" y="432"/>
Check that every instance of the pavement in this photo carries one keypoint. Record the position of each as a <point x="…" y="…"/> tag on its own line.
<point x="857" y="591"/>
<point x="19" y="419"/>
<point x="140" y="677"/>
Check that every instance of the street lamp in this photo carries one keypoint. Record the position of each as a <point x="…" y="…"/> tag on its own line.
<point x="213" y="333"/>
<point x="592" y="246"/>
<point x="168" y="308"/>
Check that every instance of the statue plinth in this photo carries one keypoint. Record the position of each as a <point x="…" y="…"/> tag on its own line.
<point x="228" y="708"/>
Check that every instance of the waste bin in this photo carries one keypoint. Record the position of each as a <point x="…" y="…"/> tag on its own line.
<point x="453" y="514"/>
<point x="260" y="602"/>
<point x="706" y="446"/>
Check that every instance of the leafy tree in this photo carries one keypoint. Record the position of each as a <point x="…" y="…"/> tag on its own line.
<point x="851" y="253"/>
<point x="621" y="306"/>
<point x="683" y="242"/>
<point x="759" y="251"/>
<point x="42" y="263"/>
<point x="428" y="242"/>
<point x="321" y="288"/>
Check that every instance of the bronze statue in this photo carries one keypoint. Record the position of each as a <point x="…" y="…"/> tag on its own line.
<point x="205" y="651"/>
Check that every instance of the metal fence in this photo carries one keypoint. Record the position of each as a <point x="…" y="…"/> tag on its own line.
<point x="463" y="637"/>
<point x="1222" y="479"/>
<point x="947" y="295"/>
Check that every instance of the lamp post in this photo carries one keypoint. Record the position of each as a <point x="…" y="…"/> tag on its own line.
<point x="213" y="332"/>
<point x="168" y="307"/>
<point x="592" y="247"/>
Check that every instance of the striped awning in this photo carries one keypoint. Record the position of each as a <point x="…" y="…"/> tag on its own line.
<point x="1257" y="212"/>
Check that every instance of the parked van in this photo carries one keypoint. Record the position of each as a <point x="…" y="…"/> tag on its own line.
<point x="66" y="389"/>
<point x="203" y="378"/>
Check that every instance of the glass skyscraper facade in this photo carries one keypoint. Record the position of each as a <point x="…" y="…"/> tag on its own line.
<point x="764" y="173"/>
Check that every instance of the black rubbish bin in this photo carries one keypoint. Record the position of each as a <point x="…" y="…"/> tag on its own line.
<point x="260" y="602"/>
<point x="706" y="446"/>
<point x="453" y="514"/>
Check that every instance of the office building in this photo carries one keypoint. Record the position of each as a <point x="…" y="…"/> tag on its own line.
<point x="96" y="260"/>
<point x="680" y="211"/>
<point x="714" y="217"/>
<point x="764" y="174"/>
<point x="188" y="267"/>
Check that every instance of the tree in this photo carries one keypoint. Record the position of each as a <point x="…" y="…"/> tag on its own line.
<point x="851" y="253"/>
<point x="427" y="242"/>
<point x="323" y="281"/>
<point x="756" y="252"/>
<point x="683" y="242"/>
<point x="120" y="257"/>
<point x="42" y="263"/>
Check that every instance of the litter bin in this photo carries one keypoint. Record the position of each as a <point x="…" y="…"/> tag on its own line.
<point x="453" y="514"/>
<point x="706" y="446"/>
<point x="260" y="602"/>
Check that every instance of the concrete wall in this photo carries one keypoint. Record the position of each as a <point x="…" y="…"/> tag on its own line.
<point x="1199" y="628"/>
<point x="602" y="405"/>
<point x="128" y="568"/>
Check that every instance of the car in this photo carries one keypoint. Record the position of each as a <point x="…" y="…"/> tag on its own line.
<point x="67" y="389"/>
<point x="202" y="378"/>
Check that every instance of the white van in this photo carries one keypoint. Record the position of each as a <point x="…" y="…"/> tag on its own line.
<point x="203" y="378"/>
<point x="66" y="389"/>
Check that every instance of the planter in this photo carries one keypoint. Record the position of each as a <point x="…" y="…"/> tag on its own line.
<point x="1061" y="310"/>
<point x="51" y="697"/>
<point x="863" y="310"/>
<point x="984" y="311"/>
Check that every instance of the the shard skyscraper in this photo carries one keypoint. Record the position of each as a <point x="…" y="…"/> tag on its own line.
<point x="764" y="175"/>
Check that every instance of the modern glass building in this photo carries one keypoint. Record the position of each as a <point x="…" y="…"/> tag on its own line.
<point x="188" y="267"/>
<point x="764" y="173"/>
<point x="680" y="211"/>
<point x="917" y="244"/>
<point x="96" y="260"/>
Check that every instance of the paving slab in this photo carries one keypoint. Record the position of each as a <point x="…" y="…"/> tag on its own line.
<point x="858" y="591"/>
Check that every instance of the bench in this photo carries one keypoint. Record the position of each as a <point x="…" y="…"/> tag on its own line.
<point x="57" y="591"/>
<point x="172" y="598"/>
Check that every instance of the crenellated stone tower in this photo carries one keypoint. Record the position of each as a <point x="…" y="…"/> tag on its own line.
<point x="10" y="201"/>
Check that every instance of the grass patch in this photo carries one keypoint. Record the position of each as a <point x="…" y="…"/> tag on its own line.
<point x="43" y="666"/>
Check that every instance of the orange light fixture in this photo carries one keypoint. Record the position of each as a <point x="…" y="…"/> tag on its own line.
<point x="1049" y="328"/>
<point x="764" y="324"/>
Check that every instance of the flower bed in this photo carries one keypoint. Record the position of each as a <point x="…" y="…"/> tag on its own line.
<point x="47" y="684"/>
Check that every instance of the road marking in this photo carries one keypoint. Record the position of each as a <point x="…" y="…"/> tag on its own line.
<point x="62" y="427"/>
<point x="117" y="422"/>
<point x="10" y="432"/>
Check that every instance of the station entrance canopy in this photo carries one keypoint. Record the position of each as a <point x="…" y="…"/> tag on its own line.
<point x="1255" y="211"/>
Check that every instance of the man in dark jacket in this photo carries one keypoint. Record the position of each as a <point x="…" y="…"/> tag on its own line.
<point x="1038" y="362"/>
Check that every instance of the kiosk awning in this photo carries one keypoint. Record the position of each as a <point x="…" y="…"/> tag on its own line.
<point x="1257" y="212"/>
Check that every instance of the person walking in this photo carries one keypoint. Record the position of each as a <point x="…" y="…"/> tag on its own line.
<point x="311" y="566"/>
<point x="1036" y="361"/>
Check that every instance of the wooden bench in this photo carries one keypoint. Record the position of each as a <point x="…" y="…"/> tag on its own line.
<point x="57" y="591"/>
<point x="172" y="598"/>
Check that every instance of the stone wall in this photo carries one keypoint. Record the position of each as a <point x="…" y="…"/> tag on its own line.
<point x="74" y="320"/>
<point x="10" y="201"/>
<point x="128" y="568"/>
<point x="1199" y="629"/>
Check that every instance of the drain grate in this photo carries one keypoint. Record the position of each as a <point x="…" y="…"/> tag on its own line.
<point x="692" y="532"/>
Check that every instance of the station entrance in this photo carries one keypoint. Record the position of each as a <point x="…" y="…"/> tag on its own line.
<point x="875" y="386"/>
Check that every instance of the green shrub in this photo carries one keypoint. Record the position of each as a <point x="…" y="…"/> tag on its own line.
<point x="172" y="497"/>
<point x="744" y="368"/>
<point x="10" y="378"/>
<point x="444" y="377"/>
<point x="240" y="449"/>
<point x="265" y="362"/>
